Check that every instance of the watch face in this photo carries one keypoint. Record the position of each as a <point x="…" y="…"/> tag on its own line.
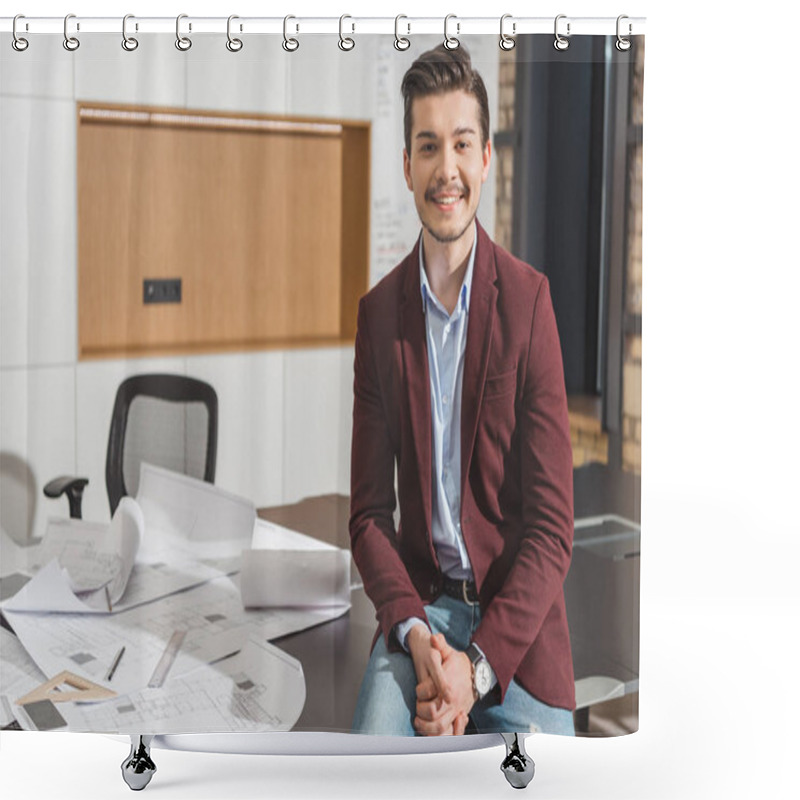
<point x="483" y="678"/>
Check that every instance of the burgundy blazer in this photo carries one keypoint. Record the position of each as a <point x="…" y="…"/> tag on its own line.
<point x="516" y="466"/>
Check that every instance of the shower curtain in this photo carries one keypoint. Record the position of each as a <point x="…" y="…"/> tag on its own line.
<point x="271" y="220"/>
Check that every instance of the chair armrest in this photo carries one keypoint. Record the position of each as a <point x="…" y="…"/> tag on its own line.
<point x="72" y="487"/>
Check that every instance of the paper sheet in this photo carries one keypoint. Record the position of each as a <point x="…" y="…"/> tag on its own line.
<point x="49" y="590"/>
<point x="180" y="532"/>
<point x="260" y="689"/>
<point x="216" y="625"/>
<point x="189" y="518"/>
<point x="286" y="568"/>
<point x="18" y="676"/>
<point x="95" y="555"/>
<point x="82" y="566"/>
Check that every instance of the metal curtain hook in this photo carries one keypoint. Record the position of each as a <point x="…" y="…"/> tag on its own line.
<point x="183" y="43"/>
<point x="451" y="42"/>
<point x="623" y="44"/>
<point x="18" y="43"/>
<point x="290" y="44"/>
<point x="561" y="43"/>
<point x="345" y="42"/>
<point x="71" y="43"/>
<point x="400" y="42"/>
<point x="234" y="45"/>
<point x="506" y="41"/>
<point x="128" y="42"/>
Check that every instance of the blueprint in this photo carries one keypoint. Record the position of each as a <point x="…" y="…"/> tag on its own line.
<point x="212" y="616"/>
<point x="18" y="676"/>
<point x="286" y="568"/>
<point x="179" y="532"/>
<point x="259" y="689"/>
<point x="151" y="608"/>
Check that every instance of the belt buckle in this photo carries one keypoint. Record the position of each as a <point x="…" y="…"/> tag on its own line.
<point x="464" y="586"/>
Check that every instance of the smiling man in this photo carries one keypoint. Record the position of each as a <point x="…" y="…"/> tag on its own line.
<point x="459" y="391"/>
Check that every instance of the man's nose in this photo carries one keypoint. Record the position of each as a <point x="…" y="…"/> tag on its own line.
<point x="447" y="169"/>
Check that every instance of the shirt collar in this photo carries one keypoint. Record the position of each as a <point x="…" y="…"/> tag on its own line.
<point x="466" y="285"/>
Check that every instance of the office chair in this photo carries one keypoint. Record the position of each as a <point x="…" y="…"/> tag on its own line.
<point x="167" y="420"/>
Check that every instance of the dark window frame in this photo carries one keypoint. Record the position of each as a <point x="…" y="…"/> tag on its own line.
<point x="578" y="115"/>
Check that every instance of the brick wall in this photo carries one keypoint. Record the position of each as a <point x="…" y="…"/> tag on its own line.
<point x="632" y="367"/>
<point x="504" y="156"/>
<point x="589" y="442"/>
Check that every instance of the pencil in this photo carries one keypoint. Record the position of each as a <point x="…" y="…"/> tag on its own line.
<point x="115" y="664"/>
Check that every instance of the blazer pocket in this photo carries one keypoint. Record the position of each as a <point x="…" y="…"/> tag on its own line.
<point x="500" y="385"/>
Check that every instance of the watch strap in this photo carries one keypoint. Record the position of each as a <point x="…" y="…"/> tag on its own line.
<point x="474" y="654"/>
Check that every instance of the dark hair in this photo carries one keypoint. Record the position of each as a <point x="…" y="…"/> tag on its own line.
<point x="438" y="71"/>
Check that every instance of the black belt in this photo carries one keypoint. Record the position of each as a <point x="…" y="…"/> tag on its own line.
<point x="461" y="590"/>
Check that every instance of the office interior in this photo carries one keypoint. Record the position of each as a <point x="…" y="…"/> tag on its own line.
<point x="569" y="205"/>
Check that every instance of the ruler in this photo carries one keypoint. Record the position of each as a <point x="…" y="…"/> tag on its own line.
<point x="167" y="659"/>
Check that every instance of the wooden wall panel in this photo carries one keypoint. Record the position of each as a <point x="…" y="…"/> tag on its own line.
<point x="265" y="228"/>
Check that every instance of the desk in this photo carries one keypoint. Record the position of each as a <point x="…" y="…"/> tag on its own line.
<point x="604" y="635"/>
<point x="334" y="655"/>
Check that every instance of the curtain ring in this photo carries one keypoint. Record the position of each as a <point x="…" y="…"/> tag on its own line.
<point x="233" y="44"/>
<point x="183" y="43"/>
<point x="128" y="42"/>
<point x="18" y="43"/>
<point x="289" y="44"/>
<point x="71" y="43"/>
<point x="345" y="42"/>
<point x="561" y="43"/>
<point x="451" y="42"/>
<point x="623" y="44"/>
<point x="506" y="41"/>
<point x="400" y="42"/>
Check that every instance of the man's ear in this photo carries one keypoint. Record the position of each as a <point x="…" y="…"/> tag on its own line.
<point x="407" y="169"/>
<point x="487" y="160"/>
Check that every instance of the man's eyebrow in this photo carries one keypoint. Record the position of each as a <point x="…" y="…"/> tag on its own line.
<point x="457" y="132"/>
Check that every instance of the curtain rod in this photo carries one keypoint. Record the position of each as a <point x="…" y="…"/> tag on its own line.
<point x="349" y="25"/>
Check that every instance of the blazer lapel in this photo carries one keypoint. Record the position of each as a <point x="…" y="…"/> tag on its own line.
<point x="417" y="381"/>
<point x="482" y="306"/>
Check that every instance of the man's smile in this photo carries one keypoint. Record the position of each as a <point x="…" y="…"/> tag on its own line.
<point x="445" y="201"/>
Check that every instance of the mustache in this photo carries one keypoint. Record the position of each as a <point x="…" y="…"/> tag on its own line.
<point x="455" y="189"/>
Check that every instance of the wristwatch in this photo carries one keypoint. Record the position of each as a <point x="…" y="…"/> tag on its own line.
<point x="481" y="672"/>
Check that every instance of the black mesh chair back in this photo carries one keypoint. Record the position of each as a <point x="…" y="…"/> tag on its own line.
<point x="166" y="420"/>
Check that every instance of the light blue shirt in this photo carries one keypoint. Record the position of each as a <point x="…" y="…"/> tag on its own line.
<point x="447" y="342"/>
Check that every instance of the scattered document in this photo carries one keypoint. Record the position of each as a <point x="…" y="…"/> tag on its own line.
<point x="286" y="568"/>
<point x="95" y="556"/>
<point x="18" y="676"/>
<point x="49" y="590"/>
<point x="211" y="615"/>
<point x="190" y="518"/>
<point x="151" y="607"/>
<point x="178" y="533"/>
<point x="259" y="689"/>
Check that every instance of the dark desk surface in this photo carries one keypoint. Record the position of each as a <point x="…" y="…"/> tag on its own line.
<point x="334" y="655"/>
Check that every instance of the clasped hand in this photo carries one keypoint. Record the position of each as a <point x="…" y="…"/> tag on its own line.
<point x="444" y="684"/>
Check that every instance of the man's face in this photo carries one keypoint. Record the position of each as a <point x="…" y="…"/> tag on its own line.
<point x="447" y="164"/>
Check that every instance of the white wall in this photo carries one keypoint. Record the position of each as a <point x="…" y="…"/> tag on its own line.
<point x="284" y="415"/>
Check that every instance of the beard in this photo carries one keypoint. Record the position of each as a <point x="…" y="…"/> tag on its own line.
<point x="439" y="236"/>
<point x="446" y="238"/>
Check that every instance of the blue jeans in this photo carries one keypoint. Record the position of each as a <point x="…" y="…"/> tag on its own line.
<point x="387" y="698"/>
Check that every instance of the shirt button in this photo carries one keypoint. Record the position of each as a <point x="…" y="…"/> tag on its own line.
<point x="434" y="588"/>
<point x="444" y="399"/>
